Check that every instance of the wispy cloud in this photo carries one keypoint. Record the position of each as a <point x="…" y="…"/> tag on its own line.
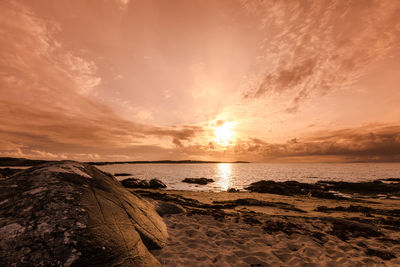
<point x="315" y="47"/>
<point x="46" y="101"/>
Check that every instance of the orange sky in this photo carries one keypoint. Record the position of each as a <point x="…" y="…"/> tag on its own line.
<point x="201" y="79"/>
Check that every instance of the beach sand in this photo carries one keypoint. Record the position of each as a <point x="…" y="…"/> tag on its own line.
<point x="291" y="233"/>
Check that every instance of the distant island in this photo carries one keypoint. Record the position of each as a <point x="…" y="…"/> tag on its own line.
<point x="163" y="161"/>
<point x="7" y="161"/>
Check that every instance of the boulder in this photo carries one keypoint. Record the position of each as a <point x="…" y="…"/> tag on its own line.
<point x="72" y="214"/>
<point x="202" y="181"/>
<point x="166" y="208"/>
<point x="155" y="183"/>
<point x="233" y="190"/>
<point x="137" y="183"/>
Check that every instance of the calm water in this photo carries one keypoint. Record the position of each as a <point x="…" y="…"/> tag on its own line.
<point x="239" y="175"/>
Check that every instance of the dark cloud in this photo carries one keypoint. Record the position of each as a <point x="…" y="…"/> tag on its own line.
<point x="372" y="143"/>
<point x="286" y="79"/>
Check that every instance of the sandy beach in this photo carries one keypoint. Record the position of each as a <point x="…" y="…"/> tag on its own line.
<point x="275" y="230"/>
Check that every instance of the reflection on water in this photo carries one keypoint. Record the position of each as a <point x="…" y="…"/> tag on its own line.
<point x="225" y="172"/>
<point x="240" y="175"/>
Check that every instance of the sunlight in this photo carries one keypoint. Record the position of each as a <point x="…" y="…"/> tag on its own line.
<point x="224" y="134"/>
<point x="225" y="172"/>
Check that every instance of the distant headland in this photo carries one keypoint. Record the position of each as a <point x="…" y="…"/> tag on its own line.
<point x="7" y="161"/>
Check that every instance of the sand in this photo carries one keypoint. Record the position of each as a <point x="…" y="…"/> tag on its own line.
<point x="268" y="236"/>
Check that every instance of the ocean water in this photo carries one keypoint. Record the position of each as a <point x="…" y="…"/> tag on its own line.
<point x="239" y="175"/>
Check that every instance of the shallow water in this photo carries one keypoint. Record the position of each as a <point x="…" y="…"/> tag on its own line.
<point x="239" y="175"/>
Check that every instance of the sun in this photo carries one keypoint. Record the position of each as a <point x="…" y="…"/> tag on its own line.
<point x="224" y="133"/>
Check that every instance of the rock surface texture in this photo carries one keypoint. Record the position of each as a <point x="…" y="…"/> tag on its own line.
<point x="72" y="214"/>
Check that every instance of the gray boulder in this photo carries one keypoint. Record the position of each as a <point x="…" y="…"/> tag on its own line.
<point x="72" y="214"/>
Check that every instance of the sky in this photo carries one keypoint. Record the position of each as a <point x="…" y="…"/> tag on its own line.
<point x="255" y="80"/>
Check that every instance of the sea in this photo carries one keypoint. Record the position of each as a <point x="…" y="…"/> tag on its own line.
<point x="240" y="175"/>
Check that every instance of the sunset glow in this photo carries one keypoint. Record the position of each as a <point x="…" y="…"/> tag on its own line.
<point x="224" y="134"/>
<point x="302" y="80"/>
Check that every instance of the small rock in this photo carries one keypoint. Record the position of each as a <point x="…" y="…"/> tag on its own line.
<point x="155" y="184"/>
<point x="135" y="183"/>
<point x="233" y="190"/>
<point x="166" y="208"/>
<point x="122" y="174"/>
<point x="202" y="181"/>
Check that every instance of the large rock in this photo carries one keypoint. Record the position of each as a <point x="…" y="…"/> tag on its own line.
<point x="72" y="214"/>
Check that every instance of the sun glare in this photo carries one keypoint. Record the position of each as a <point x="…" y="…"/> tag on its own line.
<point x="224" y="134"/>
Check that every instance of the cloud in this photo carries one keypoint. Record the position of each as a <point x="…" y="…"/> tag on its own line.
<point x="369" y="143"/>
<point x="285" y="79"/>
<point x="315" y="47"/>
<point x="47" y="100"/>
<point x="146" y="79"/>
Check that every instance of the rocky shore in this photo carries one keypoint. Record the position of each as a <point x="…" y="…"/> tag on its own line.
<point x="72" y="214"/>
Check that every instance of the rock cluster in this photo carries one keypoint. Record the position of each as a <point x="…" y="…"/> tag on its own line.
<point x="290" y="188"/>
<point x="325" y="189"/>
<point x="72" y="214"/>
